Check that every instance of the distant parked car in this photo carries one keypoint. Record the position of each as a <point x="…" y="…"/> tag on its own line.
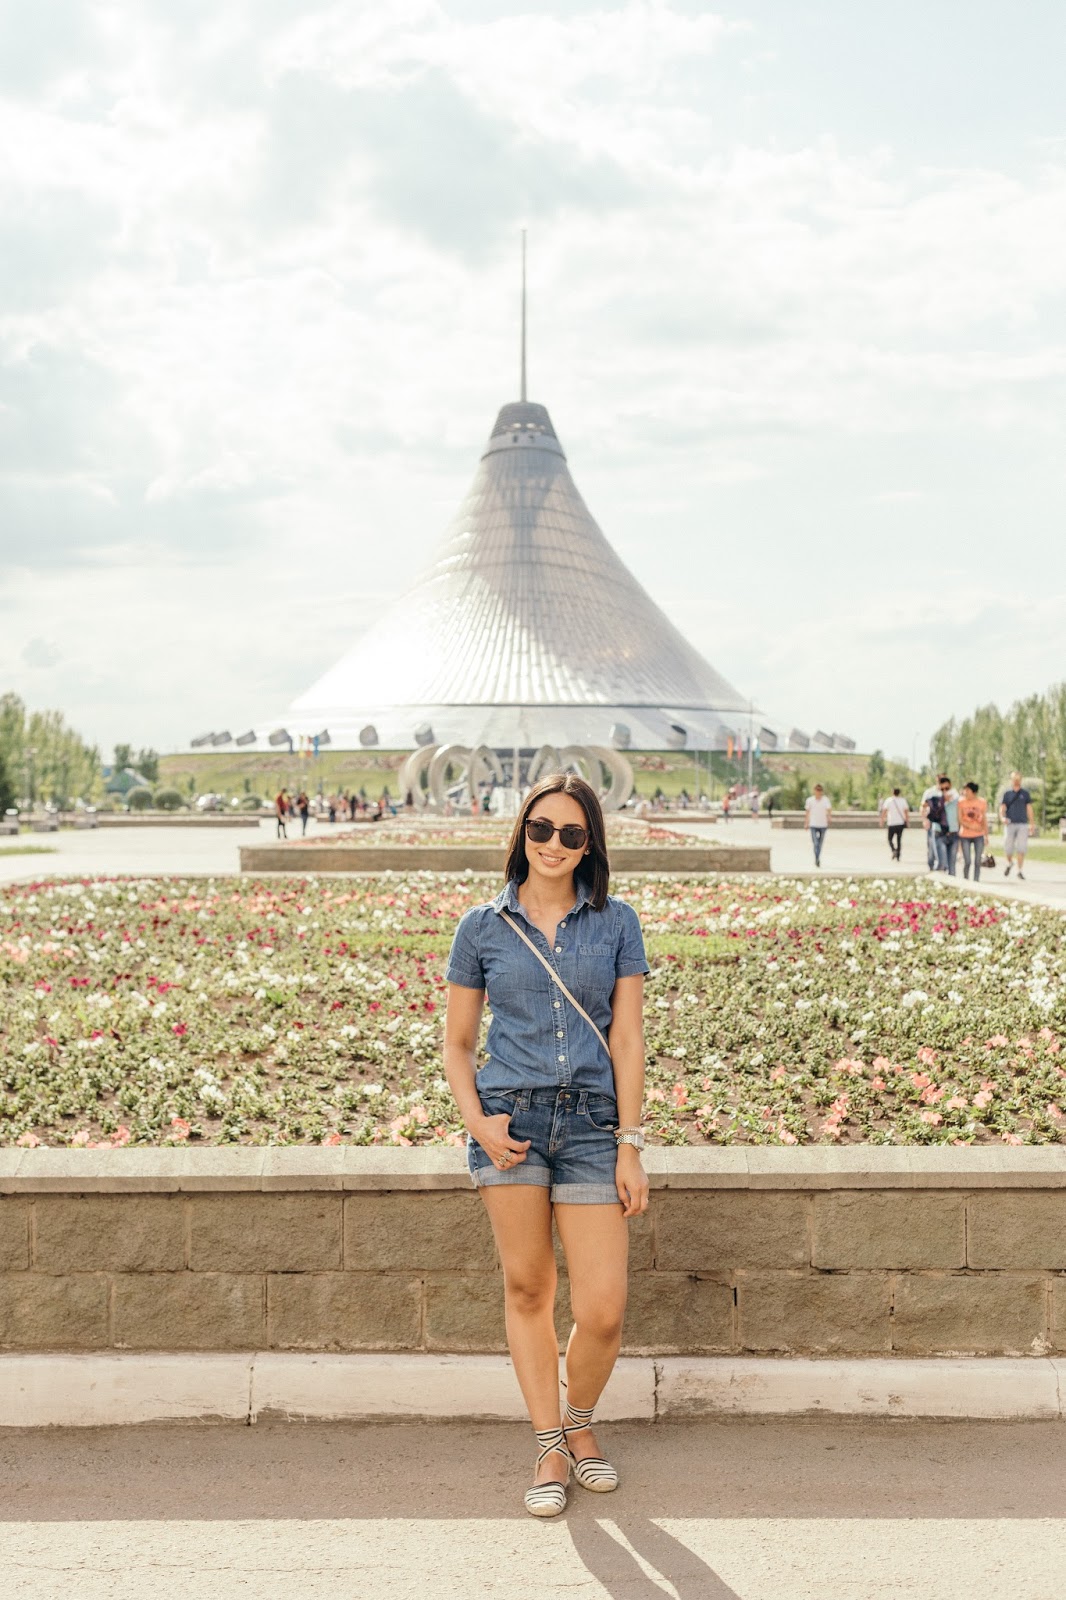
<point x="209" y="802"/>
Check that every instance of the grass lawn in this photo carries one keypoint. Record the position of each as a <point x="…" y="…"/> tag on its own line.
<point x="779" y="1011"/>
<point x="27" y="849"/>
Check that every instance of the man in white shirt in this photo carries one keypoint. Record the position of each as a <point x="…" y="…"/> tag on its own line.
<point x="895" y="812"/>
<point x="817" y="811"/>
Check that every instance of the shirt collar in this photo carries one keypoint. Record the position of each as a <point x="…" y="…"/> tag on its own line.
<point x="507" y="899"/>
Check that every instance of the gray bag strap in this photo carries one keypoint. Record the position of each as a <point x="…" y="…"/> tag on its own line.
<point x="550" y="970"/>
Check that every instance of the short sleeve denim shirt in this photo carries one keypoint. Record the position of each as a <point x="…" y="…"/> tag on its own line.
<point x="536" y="1040"/>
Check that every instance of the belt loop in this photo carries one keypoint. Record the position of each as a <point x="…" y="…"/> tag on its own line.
<point x="583" y="1101"/>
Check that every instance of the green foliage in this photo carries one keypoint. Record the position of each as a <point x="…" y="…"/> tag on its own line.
<point x="139" y="799"/>
<point x="987" y="746"/>
<point x="168" y="800"/>
<point x="875" y="767"/>
<point x="7" y="787"/>
<point x="147" y="764"/>
<point x="250" y="802"/>
<point x="123" y="756"/>
<point x="44" y="758"/>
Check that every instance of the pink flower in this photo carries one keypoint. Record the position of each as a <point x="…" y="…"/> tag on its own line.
<point x="775" y="1076"/>
<point x="1011" y="1138"/>
<point x="679" y="1095"/>
<point x="883" y="1064"/>
<point x="920" y="1079"/>
<point x="655" y="1095"/>
<point x="120" y="1136"/>
<point x="29" y="1141"/>
<point x="831" y="1128"/>
<point x="877" y="1083"/>
<point x="998" y="1041"/>
<point x="927" y="1056"/>
<point x="179" y="1128"/>
<point x="934" y="1118"/>
<point x="82" y="1137"/>
<point x="786" y="1137"/>
<point x="1053" y="1110"/>
<point x="456" y="1138"/>
<point x="179" y="1028"/>
<point x="981" y="1100"/>
<point x="957" y="1103"/>
<point x="931" y="1094"/>
<point x="332" y="1138"/>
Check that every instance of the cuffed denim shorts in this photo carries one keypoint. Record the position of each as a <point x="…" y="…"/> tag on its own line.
<point x="572" y="1147"/>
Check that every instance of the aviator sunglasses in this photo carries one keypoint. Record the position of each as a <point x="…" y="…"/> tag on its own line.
<point x="539" y="830"/>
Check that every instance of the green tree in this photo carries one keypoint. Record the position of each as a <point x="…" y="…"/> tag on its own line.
<point x="7" y="787"/>
<point x="123" y="756"/>
<point x="1056" y="790"/>
<point x="147" y="764"/>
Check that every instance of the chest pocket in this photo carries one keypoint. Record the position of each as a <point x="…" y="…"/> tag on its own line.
<point x="594" y="975"/>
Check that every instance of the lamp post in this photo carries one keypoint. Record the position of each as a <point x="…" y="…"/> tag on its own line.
<point x="1043" y="790"/>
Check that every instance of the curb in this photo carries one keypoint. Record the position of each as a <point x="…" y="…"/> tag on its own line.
<point x="72" y="1391"/>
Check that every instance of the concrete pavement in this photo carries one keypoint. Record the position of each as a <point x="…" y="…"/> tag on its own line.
<point x="808" y="1509"/>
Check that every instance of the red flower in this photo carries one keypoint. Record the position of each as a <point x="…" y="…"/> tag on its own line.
<point x="179" y="1028"/>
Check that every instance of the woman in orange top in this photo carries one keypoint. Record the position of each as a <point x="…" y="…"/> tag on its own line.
<point x="973" y="829"/>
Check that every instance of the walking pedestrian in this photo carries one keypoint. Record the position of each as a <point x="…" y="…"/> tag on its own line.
<point x="770" y="807"/>
<point x="554" y="1115"/>
<point x="929" y="795"/>
<point x="727" y="801"/>
<point x="303" y="807"/>
<point x="817" y="811"/>
<point x="1016" y="814"/>
<point x="754" y="805"/>
<point x="895" y="812"/>
<point x="973" y="829"/>
<point x="942" y="810"/>
<point x="281" y="812"/>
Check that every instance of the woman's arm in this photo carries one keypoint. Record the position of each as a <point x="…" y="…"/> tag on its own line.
<point x="626" y="1040"/>
<point x="461" y="1024"/>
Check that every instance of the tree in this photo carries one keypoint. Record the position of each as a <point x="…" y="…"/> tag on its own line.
<point x="1056" y="790"/>
<point x="875" y="769"/>
<point x="7" y="787"/>
<point x="147" y="764"/>
<point x="123" y="757"/>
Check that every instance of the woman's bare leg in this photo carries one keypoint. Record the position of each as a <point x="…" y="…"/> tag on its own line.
<point x="521" y="1221"/>
<point x="596" y="1243"/>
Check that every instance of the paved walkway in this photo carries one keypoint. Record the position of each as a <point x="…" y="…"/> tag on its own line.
<point x="740" y="1510"/>
<point x="112" y="851"/>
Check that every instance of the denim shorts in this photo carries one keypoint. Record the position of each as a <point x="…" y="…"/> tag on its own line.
<point x="572" y="1148"/>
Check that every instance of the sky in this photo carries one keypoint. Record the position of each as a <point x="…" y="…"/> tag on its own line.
<point x="797" y="308"/>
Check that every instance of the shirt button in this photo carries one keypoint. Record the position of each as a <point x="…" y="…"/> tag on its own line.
<point x="562" y="1058"/>
<point x="557" y="1004"/>
<point x="562" y="924"/>
<point x="558" y="949"/>
<point x="559" y="1034"/>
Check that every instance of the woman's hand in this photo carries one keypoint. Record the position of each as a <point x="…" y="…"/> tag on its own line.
<point x="494" y="1137"/>
<point x="631" y="1181"/>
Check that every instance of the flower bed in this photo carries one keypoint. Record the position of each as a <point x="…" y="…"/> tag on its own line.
<point x="161" y="1010"/>
<point x="400" y="834"/>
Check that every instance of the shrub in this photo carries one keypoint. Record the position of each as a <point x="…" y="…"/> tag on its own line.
<point x="251" y="802"/>
<point x="139" y="799"/>
<point x="168" y="800"/>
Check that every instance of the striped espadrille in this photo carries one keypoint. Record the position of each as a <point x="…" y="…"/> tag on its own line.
<point x="591" y="1472"/>
<point x="549" y="1499"/>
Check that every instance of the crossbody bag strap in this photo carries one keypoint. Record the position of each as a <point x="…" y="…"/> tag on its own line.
<point x="550" y="970"/>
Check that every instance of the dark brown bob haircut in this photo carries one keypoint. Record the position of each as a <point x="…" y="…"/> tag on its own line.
<point x="593" y="869"/>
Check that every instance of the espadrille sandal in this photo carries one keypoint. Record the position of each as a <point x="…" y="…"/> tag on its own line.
<point x="549" y="1499"/>
<point x="592" y="1472"/>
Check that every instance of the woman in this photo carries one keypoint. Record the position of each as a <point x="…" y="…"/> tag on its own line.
<point x="553" y="1117"/>
<point x="973" y="829"/>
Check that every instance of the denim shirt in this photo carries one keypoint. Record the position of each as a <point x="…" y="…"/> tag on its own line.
<point x="536" y="1040"/>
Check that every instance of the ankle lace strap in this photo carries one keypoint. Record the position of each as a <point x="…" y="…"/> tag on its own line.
<point x="578" y="1417"/>
<point x="549" y="1439"/>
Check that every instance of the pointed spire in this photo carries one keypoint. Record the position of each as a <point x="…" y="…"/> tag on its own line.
<point x="523" y="396"/>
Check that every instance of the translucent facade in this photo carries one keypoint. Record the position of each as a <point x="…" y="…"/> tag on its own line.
<point x="525" y="629"/>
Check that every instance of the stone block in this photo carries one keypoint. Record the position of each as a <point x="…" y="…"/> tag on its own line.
<point x="1017" y="1229"/>
<point x="417" y="1232"/>
<point x="344" y="1311"/>
<point x="984" y="1313"/>
<point x="190" y="1311"/>
<point x="670" y="1312"/>
<point x="732" y="1229"/>
<point x="814" y="1313"/>
<point x="109" y="1233"/>
<point x="1058" y="1313"/>
<point x="38" y="1312"/>
<point x="465" y="1313"/>
<point x="265" y="1232"/>
<point x="14" y="1234"/>
<point x="891" y="1229"/>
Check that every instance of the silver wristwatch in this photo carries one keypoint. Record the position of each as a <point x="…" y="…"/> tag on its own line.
<point x="633" y="1136"/>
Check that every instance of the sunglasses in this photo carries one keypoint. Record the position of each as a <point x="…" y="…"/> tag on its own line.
<point x="539" y="830"/>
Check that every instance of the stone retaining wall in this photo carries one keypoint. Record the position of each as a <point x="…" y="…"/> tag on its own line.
<point x="299" y="857"/>
<point x="806" y="1252"/>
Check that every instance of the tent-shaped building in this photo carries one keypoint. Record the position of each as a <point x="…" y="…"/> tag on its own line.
<point x="525" y="631"/>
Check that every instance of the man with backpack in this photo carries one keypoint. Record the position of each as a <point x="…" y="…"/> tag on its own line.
<point x="942" y="813"/>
